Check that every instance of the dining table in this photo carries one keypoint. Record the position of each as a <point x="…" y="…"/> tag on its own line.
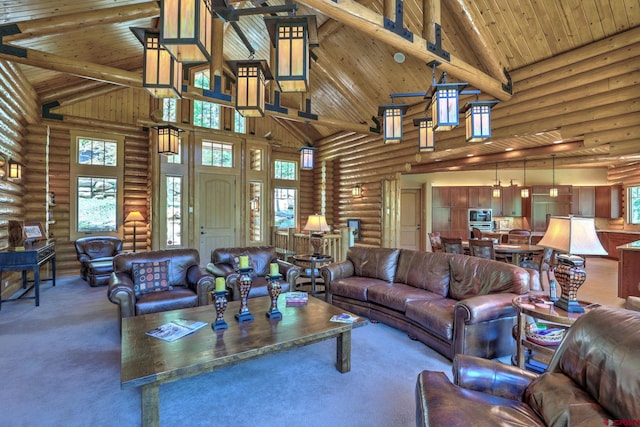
<point x="515" y="252"/>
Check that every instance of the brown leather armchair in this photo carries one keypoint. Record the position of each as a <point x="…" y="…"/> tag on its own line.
<point x="592" y="378"/>
<point x="260" y="257"/>
<point x="96" y="254"/>
<point x="187" y="284"/>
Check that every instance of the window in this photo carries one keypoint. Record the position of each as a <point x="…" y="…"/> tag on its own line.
<point x="634" y="205"/>
<point x="285" y="170"/>
<point x="169" y="110"/>
<point x="205" y="114"/>
<point x="217" y="154"/>
<point x="174" y="211"/>
<point x="284" y="200"/>
<point x="239" y="123"/>
<point x="96" y="178"/>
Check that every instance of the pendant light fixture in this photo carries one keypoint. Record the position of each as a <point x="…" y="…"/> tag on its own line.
<point x="497" y="192"/>
<point x="168" y="139"/>
<point x="553" y="191"/>
<point x="524" y="193"/>
<point x="185" y="29"/>
<point x="426" y="135"/>
<point x="307" y="152"/>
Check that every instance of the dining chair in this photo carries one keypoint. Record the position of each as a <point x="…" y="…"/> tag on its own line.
<point x="476" y="233"/>
<point x="519" y="236"/>
<point x="452" y="245"/>
<point x="436" y="241"/>
<point x="482" y="248"/>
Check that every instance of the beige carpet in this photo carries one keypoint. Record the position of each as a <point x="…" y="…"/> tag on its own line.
<point x="61" y="367"/>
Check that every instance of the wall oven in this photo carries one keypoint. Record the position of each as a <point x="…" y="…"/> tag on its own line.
<point x="480" y="215"/>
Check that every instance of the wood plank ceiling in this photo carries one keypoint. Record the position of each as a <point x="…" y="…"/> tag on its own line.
<point x="355" y="70"/>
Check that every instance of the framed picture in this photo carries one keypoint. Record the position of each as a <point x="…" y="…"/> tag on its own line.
<point x="33" y="231"/>
<point x="355" y="224"/>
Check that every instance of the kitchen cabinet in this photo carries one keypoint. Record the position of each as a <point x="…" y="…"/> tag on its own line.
<point x="441" y="197"/>
<point x="583" y="201"/>
<point x="450" y="210"/>
<point x="459" y="197"/>
<point x="511" y="201"/>
<point x="480" y="197"/>
<point x="629" y="269"/>
<point x="608" y="201"/>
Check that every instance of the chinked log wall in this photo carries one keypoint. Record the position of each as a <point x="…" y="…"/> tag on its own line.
<point x="590" y="92"/>
<point x="19" y="116"/>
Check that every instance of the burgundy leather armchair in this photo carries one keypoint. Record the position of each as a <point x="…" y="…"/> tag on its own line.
<point x="189" y="284"/>
<point x="96" y="254"/>
<point x="593" y="379"/>
<point x="260" y="258"/>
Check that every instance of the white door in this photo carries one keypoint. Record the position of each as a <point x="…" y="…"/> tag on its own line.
<point x="410" y="209"/>
<point x="218" y="219"/>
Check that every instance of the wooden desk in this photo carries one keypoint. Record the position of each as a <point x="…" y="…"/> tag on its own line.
<point x="31" y="258"/>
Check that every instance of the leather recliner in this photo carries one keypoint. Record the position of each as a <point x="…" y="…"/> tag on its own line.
<point x="223" y="262"/>
<point x="593" y="379"/>
<point x="190" y="284"/>
<point x="95" y="254"/>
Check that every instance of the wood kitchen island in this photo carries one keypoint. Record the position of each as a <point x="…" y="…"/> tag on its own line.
<point x="629" y="269"/>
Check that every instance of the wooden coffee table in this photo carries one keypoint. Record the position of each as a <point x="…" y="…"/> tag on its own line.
<point x="148" y="362"/>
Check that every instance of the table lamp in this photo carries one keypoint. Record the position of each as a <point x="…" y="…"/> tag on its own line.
<point x="134" y="217"/>
<point x="571" y="236"/>
<point x="316" y="224"/>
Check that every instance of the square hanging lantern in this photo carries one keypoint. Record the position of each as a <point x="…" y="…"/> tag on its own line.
<point x="162" y="74"/>
<point x="306" y="157"/>
<point x="392" y="115"/>
<point x="251" y="77"/>
<point x="426" y="135"/>
<point x="15" y="169"/>
<point x="185" y="29"/>
<point x="292" y="38"/>
<point x="478" y="120"/>
<point x="168" y="139"/>
<point x="444" y="106"/>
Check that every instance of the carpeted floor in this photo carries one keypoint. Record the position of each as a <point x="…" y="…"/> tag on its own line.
<point x="60" y="366"/>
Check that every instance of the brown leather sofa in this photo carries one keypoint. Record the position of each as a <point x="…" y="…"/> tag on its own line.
<point x="96" y="254"/>
<point x="190" y="285"/>
<point x="593" y="379"/>
<point x="224" y="260"/>
<point x="453" y="303"/>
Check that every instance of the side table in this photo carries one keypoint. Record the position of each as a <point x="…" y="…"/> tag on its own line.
<point x="539" y="308"/>
<point x="312" y="261"/>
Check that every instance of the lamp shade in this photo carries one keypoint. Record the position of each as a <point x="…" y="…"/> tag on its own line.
<point x="478" y="120"/>
<point x="392" y="121"/>
<point x="426" y="134"/>
<point x="572" y="235"/>
<point x="185" y="29"/>
<point x="251" y="77"/>
<point x="162" y="73"/>
<point x="316" y="223"/>
<point x="134" y="216"/>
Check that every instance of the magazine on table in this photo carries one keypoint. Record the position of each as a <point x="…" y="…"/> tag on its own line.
<point x="344" y="318"/>
<point x="176" y="329"/>
<point x="296" y="298"/>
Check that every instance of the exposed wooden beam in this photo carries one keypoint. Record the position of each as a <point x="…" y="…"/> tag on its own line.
<point x="372" y="23"/>
<point x="71" y="22"/>
<point x="430" y="17"/>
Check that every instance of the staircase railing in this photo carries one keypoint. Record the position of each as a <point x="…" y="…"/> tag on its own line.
<point x="288" y="243"/>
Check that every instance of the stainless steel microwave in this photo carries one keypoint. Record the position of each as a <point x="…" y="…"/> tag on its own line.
<point x="480" y="215"/>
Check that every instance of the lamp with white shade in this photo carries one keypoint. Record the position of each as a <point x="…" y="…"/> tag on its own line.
<point x="134" y="217"/>
<point x="571" y="236"/>
<point x="316" y="224"/>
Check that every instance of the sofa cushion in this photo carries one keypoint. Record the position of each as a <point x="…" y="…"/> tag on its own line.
<point x="471" y="276"/>
<point x="151" y="276"/>
<point x="424" y="270"/>
<point x="435" y="315"/>
<point x="259" y="257"/>
<point x="559" y="401"/>
<point x="155" y="302"/>
<point x="376" y="263"/>
<point x="354" y="287"/>
<point x="396" y="295"/>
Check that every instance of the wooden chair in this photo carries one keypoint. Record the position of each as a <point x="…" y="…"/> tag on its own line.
<point x="519" y="236"/>
<point x="476" y="233"/>
<point x="436" y="241"/>
<point x="482" y="248"/>
<point x="452" y="245"/>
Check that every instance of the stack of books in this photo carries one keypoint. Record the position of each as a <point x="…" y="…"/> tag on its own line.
<point x="296" y="298"/>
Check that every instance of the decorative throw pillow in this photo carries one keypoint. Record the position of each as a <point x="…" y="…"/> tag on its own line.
<point x="152" y="276"/>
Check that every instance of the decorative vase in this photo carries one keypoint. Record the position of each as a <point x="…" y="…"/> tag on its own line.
<point x="244" y="285"/>
<point x="220" y="299"/>
<point x="274" y="288"/>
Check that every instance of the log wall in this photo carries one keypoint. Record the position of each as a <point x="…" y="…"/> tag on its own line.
<point x="566" y="92"/>
<point x="19" y="116"/>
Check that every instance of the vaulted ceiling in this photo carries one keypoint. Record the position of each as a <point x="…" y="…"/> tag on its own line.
<point x="80" y="49"/>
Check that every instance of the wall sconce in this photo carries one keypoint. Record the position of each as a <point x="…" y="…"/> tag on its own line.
<point x="185" y="29"/>
<point x="306" y="157"/>
<point x="356" y="191"/>
<point x="254" y="204"/>
<point x="168" y="139"/>
<point x="162" y="73"/>
<point x="392" y="121"/>
<point x="251" y="77"/>
<point x="15" y="169"/>
<point x="524" y="193"/>
<point x="426" y="134"/>
<point x="292" y="37"/>
<point x="478" y="120"/>
<point x="553" y="191"/>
